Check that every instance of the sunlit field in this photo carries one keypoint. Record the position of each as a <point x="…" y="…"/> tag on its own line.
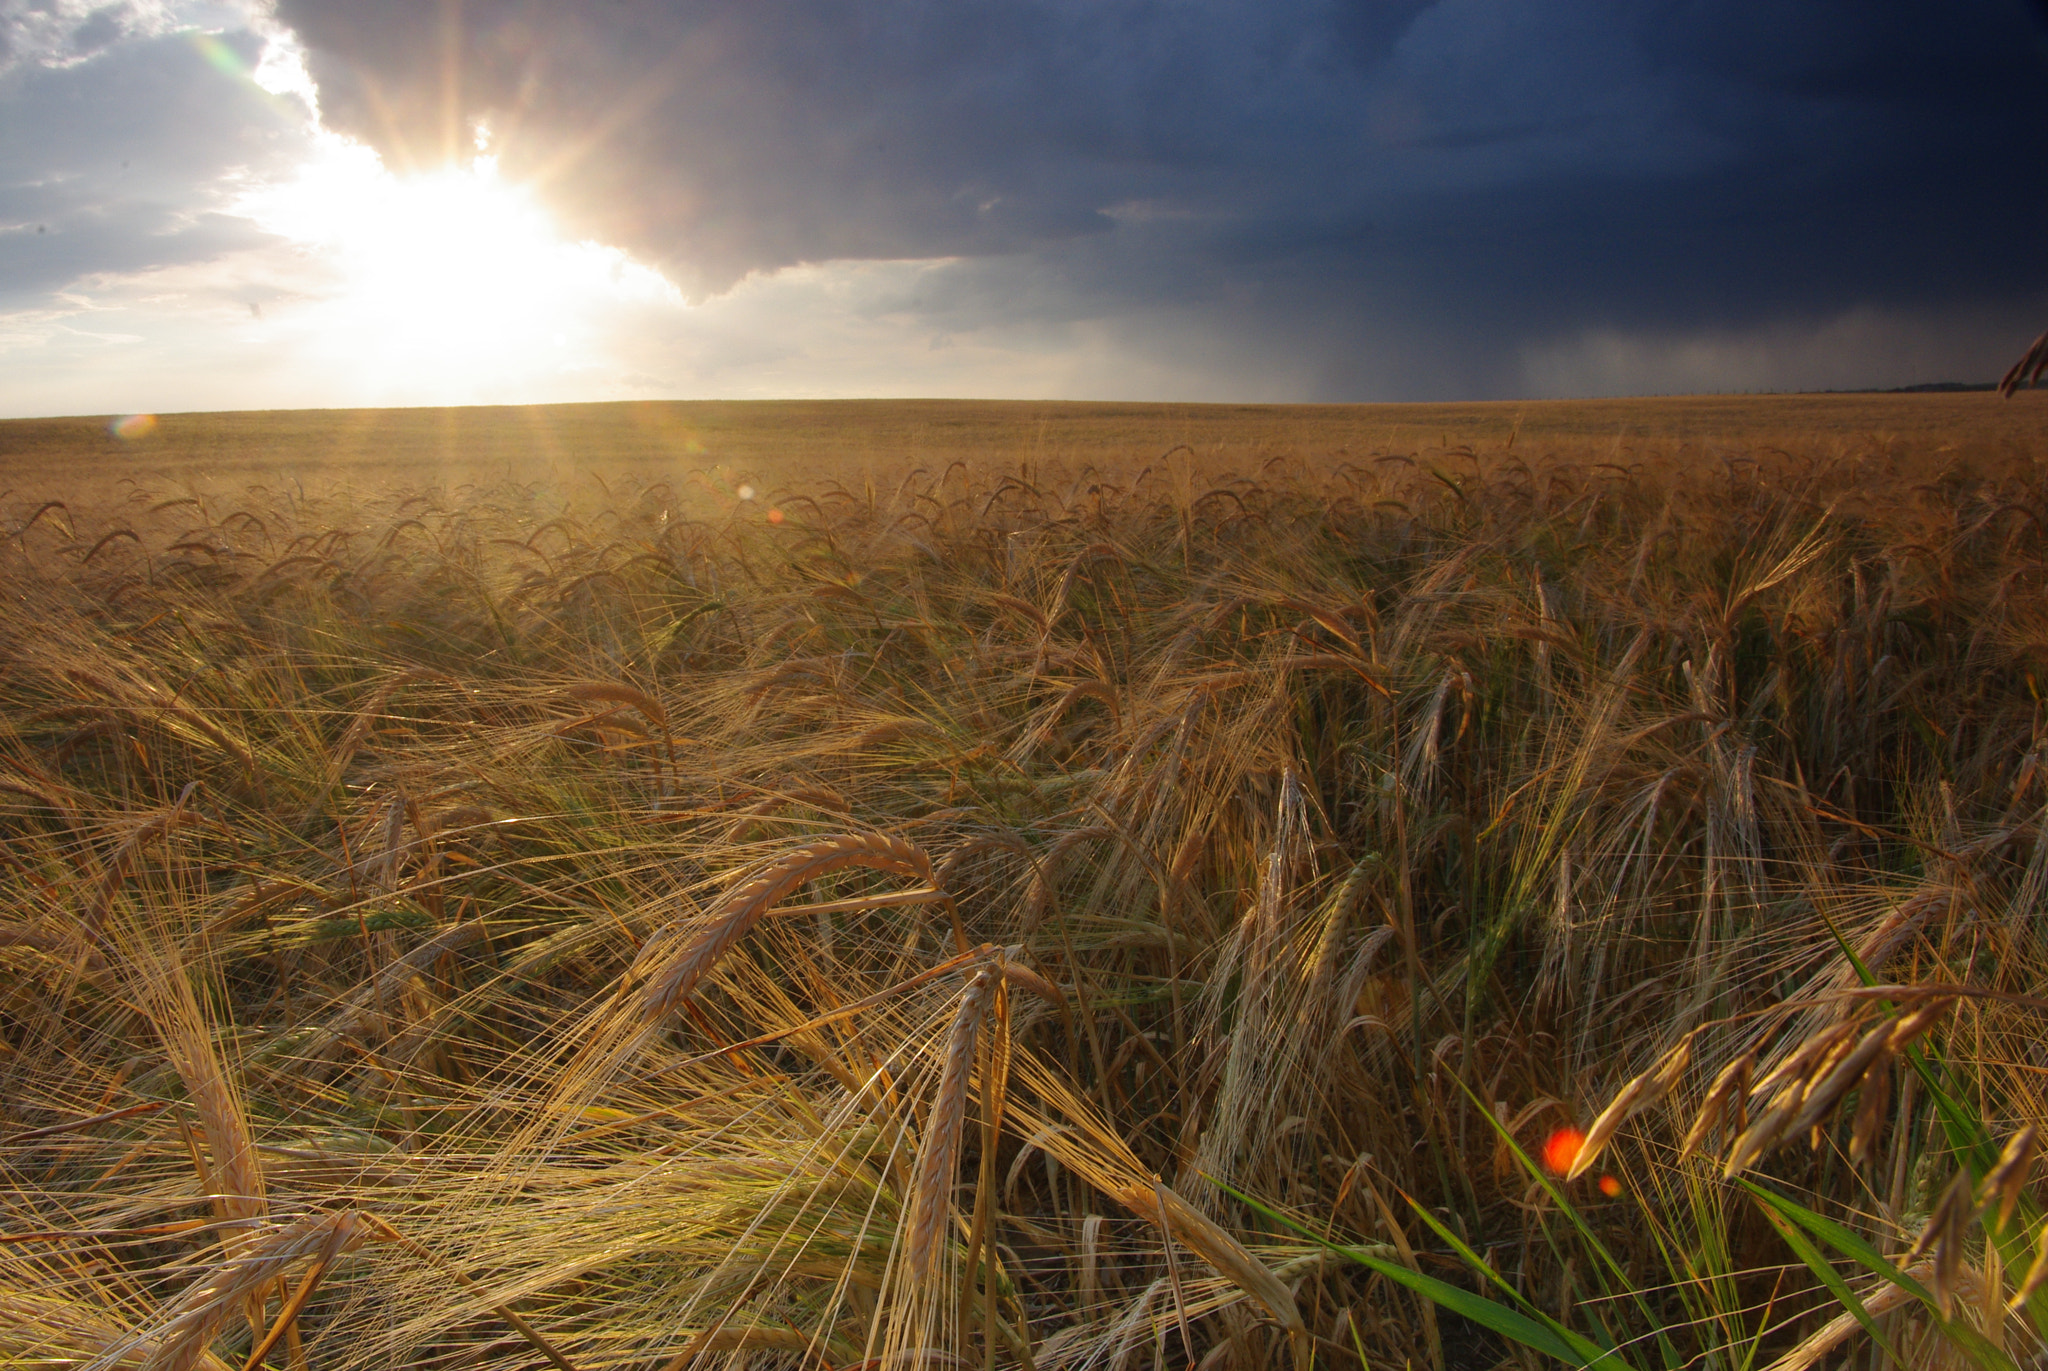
<point x="924" y="885"/>
<point x="807" y="443"/>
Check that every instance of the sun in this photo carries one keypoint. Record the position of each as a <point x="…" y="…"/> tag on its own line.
<point x="438" y="258"/>
<point x="453" y="284"/>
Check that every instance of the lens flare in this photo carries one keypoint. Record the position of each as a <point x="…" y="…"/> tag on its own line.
<point x="219" y="55"/>
<point x="1561" y="1149"/>
<point x="133" y="426"/>
<point x="774" y="516"/>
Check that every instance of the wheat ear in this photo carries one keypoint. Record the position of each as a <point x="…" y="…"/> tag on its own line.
<point x="360" y="725"/>
<point x="1881" y="1298"/>
<point x="1639" y="1094"/>
<point x="35" y="1328"/>
<point x="115" y="871"/>
<point x="667" y="978"/>
<point x="931" y="1188"/>
<point x="180" y="1342"/>
<point x="618" y="693"/>
<point x="1162" y="1207"/>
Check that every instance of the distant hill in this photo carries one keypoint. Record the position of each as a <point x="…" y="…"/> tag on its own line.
<point x="1924" y="388"/>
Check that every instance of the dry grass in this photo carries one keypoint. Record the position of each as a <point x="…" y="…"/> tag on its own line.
<point x="962" y="920"/>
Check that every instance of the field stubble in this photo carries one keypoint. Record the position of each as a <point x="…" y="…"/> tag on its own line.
<point x="1040" y="911"/>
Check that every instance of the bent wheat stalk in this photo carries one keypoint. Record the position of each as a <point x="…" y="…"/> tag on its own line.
<point x="179" y="1341"/>
<point x="1162" y="1207"/>
<point x="1639" y="1094"/>
<point x="666" y="977"/>
<point x="1882" y="1298"/>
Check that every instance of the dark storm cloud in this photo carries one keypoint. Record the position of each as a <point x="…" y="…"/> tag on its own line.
<point x="1466" y="175"/>
<point x="113" y="162"/>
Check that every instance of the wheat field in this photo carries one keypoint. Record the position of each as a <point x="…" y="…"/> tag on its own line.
<point x="1029" y="887"/>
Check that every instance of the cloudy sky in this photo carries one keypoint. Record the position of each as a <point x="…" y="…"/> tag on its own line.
<point x="234" y="204"/>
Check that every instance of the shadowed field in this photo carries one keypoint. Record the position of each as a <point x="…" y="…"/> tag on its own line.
<point x="1042" y="886"/>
